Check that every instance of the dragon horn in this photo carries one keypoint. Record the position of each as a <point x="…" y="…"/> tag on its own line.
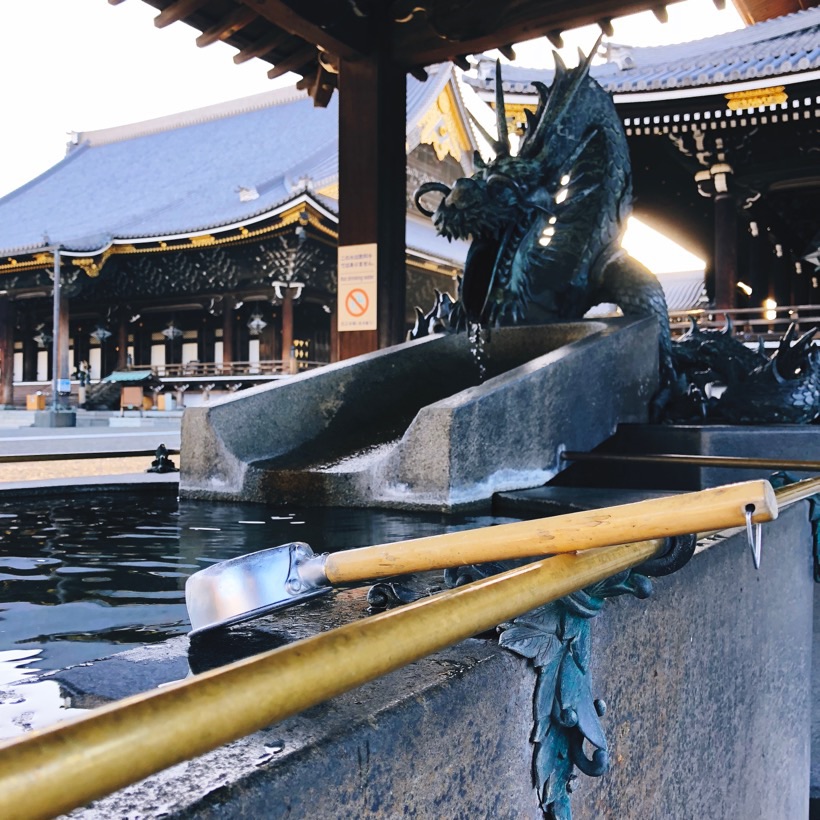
<point x="695" y="326"/>
<point x="805" y="339"/>
<point x="561" y="96"/>
<point x="501" y="113"/>
<point x="494" y="143"/>
<point x="532" y="120"/>
<point x="727" y="328"/>
<point x="788" y="337"/>
<point x="543" y="92"/>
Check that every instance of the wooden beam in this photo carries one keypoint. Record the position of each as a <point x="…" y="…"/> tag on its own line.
<point x="176" y="11"/>
<point x="297" y="23"/>
<point x="262" y="46"/>
<point x="492" y="24"/>
<point x="322" y="87"/>
<point x="227" y="26"/>
<point x="293" y="61"/>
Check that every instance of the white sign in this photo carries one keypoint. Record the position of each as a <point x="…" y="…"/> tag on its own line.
<point x="356" y="309"/>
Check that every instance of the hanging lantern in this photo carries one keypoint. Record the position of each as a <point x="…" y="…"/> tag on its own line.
<point x="100" y="333"/>
<point x="256" y="324"/>
<point x="172" y="332"/>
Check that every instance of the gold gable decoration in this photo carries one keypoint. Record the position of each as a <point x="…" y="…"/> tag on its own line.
<point x="442" y="128"/>
<point x="756" y="98"/>
<point x="331" y="190"/>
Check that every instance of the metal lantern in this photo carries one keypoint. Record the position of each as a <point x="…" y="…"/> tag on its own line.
<point x="172" y="332"/>
<point x="256" y="324"/>
<point x="100" y="333"/>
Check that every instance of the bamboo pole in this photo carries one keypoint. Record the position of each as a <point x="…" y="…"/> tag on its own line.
<point x="715" y="508"/>
<point x="798" y="491"/>
<point x="695" y="460"/>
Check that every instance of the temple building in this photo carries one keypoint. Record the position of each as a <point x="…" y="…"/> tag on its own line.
<point x="204" y="244"/>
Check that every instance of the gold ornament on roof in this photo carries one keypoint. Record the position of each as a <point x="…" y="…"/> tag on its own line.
<point x="756" y="98"/>
<point x="442" y="128"/>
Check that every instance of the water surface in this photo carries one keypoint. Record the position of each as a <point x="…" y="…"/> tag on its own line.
<point x="84" y="577"/>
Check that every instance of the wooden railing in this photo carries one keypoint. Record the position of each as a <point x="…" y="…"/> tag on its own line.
<point x="271" y="367"/>
<point x="749" y="324"/>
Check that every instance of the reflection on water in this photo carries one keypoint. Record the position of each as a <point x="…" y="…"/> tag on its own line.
<point x="28" y="705"/>
<point x="83" y="578"/>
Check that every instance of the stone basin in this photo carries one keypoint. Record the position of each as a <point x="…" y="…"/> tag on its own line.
<point x="415" y="426"/>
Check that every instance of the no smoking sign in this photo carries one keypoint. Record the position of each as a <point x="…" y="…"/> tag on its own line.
<point x="356" y="302"/>
<point x="357" y="287"/>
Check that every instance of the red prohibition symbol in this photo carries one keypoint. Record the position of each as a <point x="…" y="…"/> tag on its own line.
<point x="357" y="302"/>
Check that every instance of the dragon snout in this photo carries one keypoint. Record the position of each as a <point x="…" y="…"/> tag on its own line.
<point x="465" y="194"/>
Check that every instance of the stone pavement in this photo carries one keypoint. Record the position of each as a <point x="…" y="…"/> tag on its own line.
<point x="110" y="440"/>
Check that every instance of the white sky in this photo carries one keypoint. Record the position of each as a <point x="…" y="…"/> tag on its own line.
<point x="81" y="65"/>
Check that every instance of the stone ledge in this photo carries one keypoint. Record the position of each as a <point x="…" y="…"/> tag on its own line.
<point x="707" y="684"/>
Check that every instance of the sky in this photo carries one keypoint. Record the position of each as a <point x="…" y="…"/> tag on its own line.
<point x="82" y="65"/>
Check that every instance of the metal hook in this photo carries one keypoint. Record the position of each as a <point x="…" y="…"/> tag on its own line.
<point x="754" y="533"/>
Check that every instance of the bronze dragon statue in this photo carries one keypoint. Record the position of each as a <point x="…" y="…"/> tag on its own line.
<point x="546" y="222"/>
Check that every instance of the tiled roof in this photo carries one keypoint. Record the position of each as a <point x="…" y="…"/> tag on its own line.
<point x="196" y="171"/>
<point x="772" y="49"/>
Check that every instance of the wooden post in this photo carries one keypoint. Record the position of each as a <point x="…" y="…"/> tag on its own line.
<point x="29" y="349"/>
<point x="287" y="324"/>
<point x="6" y="352"/>
<point x="725" y="251"/>
<point x="122" y="345"/>
<point x="62" y="369"/>
<point x="227" y="330"/>
<point x="372" y="187"/>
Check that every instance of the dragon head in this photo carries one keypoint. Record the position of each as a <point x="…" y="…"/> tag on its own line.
<point x="530" y="214"/>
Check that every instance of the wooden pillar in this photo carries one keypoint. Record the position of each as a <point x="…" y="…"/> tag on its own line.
<point x="725" y="251"/>
<point x="287" y="323"/>
<point x="227" y="329"/>
<point x="6" y="352"/>
<point x="122" y="345"/>
<point x="372" y="186"/>
<point x="30" y="349"/>
<point x="62" y="347"/>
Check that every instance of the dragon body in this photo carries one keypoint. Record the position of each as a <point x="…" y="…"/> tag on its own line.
<point x="545" y="223"/>
<point x="783" y="388"/>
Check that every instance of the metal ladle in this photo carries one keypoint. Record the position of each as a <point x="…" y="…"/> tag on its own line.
<point x="262" y="582"/>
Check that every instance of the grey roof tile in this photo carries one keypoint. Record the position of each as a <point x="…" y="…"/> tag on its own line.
<point x="183" y="174"/>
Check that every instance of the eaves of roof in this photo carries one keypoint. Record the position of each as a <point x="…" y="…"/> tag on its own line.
<point x="785" y="47"/>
